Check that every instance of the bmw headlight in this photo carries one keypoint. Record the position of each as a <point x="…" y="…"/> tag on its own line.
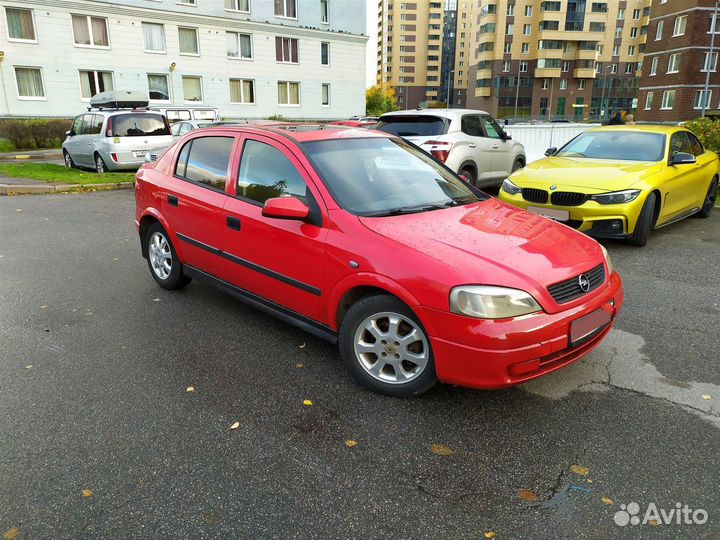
<point x="488" y="302"/>
<point x="616" y="197"/>
<point x="509" y="187"/>
<point x="607" y="259"/>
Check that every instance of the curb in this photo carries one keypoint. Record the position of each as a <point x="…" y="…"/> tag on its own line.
<point x="25" y="157"/>
<point x="11" y="189"/>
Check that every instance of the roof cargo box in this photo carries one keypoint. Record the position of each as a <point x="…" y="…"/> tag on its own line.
<point x="119" y="99"/>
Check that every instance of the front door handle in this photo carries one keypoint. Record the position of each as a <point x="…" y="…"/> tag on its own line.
<point x="495" y="146"/>
<point x="233" y="223"/>
<point x="172" y="200"/>
<point x="471" y="145"/>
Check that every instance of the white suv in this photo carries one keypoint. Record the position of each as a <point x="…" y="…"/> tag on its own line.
<point x="470" y="142"/>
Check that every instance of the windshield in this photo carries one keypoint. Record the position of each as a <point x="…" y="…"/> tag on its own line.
<point x="412" y="126"/>
<point x="381" y="177"/>
<point x="623" y="145"/>
<point x="139" y="125"/>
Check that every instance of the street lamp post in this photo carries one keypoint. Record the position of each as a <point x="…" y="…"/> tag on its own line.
<point x="447" y="87"/>
<point x="708" y="62"/>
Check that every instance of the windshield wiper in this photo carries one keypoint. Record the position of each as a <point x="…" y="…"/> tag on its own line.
<point x="410" y="209"/>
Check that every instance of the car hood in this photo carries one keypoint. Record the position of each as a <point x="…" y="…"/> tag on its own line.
<point x="589" y="175"/>
<point x="494" y="243"/>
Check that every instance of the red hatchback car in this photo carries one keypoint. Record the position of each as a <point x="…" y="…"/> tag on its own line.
<point x="365" y="240"/>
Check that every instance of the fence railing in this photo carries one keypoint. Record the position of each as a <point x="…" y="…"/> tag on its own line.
<point x="538" y="138"/>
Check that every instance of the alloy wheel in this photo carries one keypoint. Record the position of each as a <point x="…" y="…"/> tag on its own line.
<point x="68" y="160"/>
<point x="711" y="196"/>
<point x="160" y="255"/>
<point x="99" y="165"/>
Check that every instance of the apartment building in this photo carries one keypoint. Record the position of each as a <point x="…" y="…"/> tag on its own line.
<point x="677" y="60"/>
<point x="423" y="50"/>
<point x="249" y="58"/>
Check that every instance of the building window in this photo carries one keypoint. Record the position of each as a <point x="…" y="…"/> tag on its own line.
<point x="654" y="65"/>
<point x="523" y="66"/>
<point x="288" y="93"/>
<point x="702" y="99"/>
<point x="325" y="11"/>
<point x="29" y="83"/>
<point x="237" y="5"/>
<point x="634" y="32"/>
<point x="648" y="101"/>
<point x="242" y="91"/>
<point x="613" y="68"/>
<point x="628" y="69"/>
<point x="509" y="28"/>
<point x="188" y="41"/>
<point x="710" y="64"/>
<point x="527" y="29"/>
<point x="668" y="100"/>
<point x="565" y="66"/>
<point x="506" y="66"/>
<point x="581" y="84"/>
<point x="325" y="53"/>
<point x="186" y="2"/>
<point x="563" y="84"/>
<point x="714" y="25"/>
<point x="325" y="90"/>
<point x="90" y="31"/>
<point x="631" y="50"/>
<point x="158" y="88"/>
<point x="508" y="47"/>
<point x="616" y="50"/>
<point x="511" y="10"/>
<point x="636" y="15"/>
<point x="286" y="8"/>
<point x="528" y="11"/>
<point x="192" y="89"/>
<point x="21" y="25"/>
<point x="525" y="48"/>
<point x="680" y="24"/>
<point x="545" y="84"/>
<point x="154" y="35"/>
<point x="659" y="30"/>
<point x="597" y="27"/>
<point x="239" y="45"/>
<point x="674" y="63"/>
<point x="94" y="82"/>
<point x="621" y="14"/>
<point x="286" y="50"/>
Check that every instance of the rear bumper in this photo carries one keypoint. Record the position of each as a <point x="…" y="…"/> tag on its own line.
<point x="495" y="354"/>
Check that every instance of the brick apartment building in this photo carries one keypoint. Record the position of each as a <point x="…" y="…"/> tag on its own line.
<point x="676" y="59"/>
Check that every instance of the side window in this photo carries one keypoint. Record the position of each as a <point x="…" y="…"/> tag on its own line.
<point x="491" y="128"/>
<point x="679" y="143"/>
<point x="77" y="126"/>
<point x="182" y="160"/>
<point x="207" y="160"/>
<point x="696" y="147"/>
<point x="265" y="172"/>
<point x="185" y="128"/>
<point x="87" y="126"/>
<point x="95" y="124"/>
<point x="470" y="125"/>
<point x="175" y="115"/>
<point x="175" y="129"/>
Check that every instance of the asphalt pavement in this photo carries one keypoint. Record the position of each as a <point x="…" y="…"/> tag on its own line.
<point x="96" y="362"/>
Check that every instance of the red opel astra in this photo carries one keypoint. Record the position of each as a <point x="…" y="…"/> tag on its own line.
<point x="362" y="239"/>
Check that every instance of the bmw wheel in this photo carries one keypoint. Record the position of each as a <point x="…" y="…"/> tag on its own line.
<point x="710" y="199"/>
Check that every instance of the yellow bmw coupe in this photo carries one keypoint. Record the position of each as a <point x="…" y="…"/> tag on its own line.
<point x="620" y="181"/>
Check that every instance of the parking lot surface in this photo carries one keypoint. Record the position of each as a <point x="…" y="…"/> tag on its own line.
<point x="112" y="385"/>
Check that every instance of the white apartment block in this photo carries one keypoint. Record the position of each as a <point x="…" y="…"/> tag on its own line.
<point x="250" y="58"/>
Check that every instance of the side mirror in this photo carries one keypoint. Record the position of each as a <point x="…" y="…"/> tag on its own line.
<point x="285" y="208"/>
<point x="506" y="137"/>
<point x="550" y="151"/>
<point x="682" y="158"/>
<point x="70" y="133"/>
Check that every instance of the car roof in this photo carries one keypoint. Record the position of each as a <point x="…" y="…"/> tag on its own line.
<point x="434" y="112"/>
<point x="646" y="128"/>
<point x="303" y="133"/>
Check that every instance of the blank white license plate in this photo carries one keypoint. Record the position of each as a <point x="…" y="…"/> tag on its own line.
<point x="557" y="215"/>
<point x="140" y="153"/>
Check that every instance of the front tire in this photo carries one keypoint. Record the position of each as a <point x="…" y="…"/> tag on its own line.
<point x="517" y="165"/>
<point x="164" y="264"/>
<point x="100" y="167"/>
<point x="639" y="237"/>
<point x="386" y="348"/>
<point x="710" y="199"/>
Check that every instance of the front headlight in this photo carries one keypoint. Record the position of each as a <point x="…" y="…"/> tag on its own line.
<point x="607" y="259"/>
<point x="616" y="197"/>
<point x="487" y="302"/>
<point x="509" y="187"/>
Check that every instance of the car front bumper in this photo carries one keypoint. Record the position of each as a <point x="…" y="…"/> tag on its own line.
<point x="490" y="354"/>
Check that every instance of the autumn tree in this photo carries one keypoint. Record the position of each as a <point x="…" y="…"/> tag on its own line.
<point x="380" y="99"/>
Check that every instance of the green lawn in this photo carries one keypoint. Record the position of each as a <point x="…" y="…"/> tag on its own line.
<point x="6" y="146"/>
<point x="59" y="174"/>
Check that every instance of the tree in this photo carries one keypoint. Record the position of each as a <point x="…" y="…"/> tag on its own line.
<point x="380" y="99"/>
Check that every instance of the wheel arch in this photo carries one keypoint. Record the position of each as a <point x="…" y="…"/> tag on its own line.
<point x="149" y="217"/>
<point x="658" y="207"/>
<point x="469" y="164"/>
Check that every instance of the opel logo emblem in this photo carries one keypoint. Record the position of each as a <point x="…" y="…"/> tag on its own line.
<point x="553" y="188"/>
<point x="584" y="282"/>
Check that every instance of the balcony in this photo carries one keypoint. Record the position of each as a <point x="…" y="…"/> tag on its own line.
<point x="484" y="74"/>
<point x="584" y="73"/>
<point x="485" y="55"/>
<point x="550" y="53"/>
<point x="586" y="54"/>
<point x="555" y="35"/>
<point x="548" y="73"/>
<point x="485" y="91"/>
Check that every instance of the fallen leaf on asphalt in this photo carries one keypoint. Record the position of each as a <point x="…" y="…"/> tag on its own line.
<point x="307" y="403"/>
<point x="43" y="307"/>
<point x="351" y="443"/>
<point x="577" y="469"/>
<point x="235" y="425"/>
<point x="190" y="389"/>
<point x="29" y="366"/>
<point x="156" y="299"/>
<point x="441" y="450"/>
<point x="706" y="396"/>
<point x="87" y="492"/>
<point x="588" y="481"/>
<point x="46" y="329"/>
<point x="299" y="365"/>
<point x="19" y="210"/>
<point x="607" y="500"/>
<point x="11" y="534"/>
<point x="653" y="522"/>
<point x="115" y="259"/>
<point x="302" y="346"/>
<point x="489" y="534"/>
<point x="528" y="495"/>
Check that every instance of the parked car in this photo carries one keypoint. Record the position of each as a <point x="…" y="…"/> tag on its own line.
<point x="620" y="181"/>
<point x="178" y="129"/>
<point x="357" y="121"/>
<point x="363" y="239"/>
<point x="179" y="114"/>
<point x="115" y="133"/>
<point x="470" y="142"/>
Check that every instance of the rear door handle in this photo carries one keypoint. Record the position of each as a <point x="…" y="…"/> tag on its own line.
<point x="172" y="200"/>
<point x="233" y="223"/>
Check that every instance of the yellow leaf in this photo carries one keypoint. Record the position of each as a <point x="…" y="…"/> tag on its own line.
<point x="307" y="403"/>
<point x="577" y="469"/>
<point x="11" y="534"/>
<point x="299" y="365"/>
<point x="29" y="366"/>
<point x="607" y="500"/>
<point x="489" y="534"/>
<point x="87" y="492"/>
<point x="653" y="522"/>
<point x="43" y="307"/>
<point x="235" y="425"/>
<point x="442" y="450"/>
<point x="190" y="389"/>
<point x="302" y="346"/>
<point x="706" y="396"/>
<point x="528" y="495"/>
<point x="351" y="443"/>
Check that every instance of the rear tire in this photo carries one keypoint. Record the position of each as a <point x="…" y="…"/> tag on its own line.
<point x="69" y="163"/>
<point x="639" y="237"/>
<point x="385" y="347"/>
<point x="100" y="167"/>
<point x="165" y="266"/>
<point x="710" y="199"/>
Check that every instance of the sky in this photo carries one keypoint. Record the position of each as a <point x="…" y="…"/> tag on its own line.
<point x="371" y="51"/>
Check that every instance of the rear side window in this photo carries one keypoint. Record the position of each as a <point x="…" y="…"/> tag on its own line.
<point x="205" y="160"/>
<point x="78" y="125"/>
<point x="93" y="124"/>
<point x="176" y="115"/>
<point x="265" y="172"/>
<point x="412" y="126"/>
<point x="139" y="125"/>
<point x="470" y="125"/>
<point x="696" y="147"/>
